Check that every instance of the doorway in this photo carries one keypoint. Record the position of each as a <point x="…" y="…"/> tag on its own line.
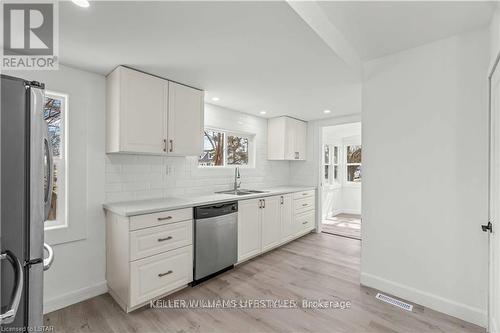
<point x="341" y="178"/>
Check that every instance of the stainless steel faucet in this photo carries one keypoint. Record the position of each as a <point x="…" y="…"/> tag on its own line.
<point x="237" y="182"/>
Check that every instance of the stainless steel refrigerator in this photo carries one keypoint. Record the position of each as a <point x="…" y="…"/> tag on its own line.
<point x="26" y="190"/>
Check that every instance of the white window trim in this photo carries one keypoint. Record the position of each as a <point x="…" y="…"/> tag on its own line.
<point x="74" y="227"/>
<point x="355" y="141"/>
<point x="251" y="149"/>
<point x="62" y="169"/>
<point x="331" y="183"/>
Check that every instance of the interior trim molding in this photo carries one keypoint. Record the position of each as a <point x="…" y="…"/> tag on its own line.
<point x="73" y="297"/>
<point x="431" y="301"/>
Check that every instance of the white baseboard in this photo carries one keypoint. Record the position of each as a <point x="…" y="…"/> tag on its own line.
<point x="493" y="326"/>
<point x="431" y="301"/>
<point x="351" y="211"/>
<point x="73" y="297"/>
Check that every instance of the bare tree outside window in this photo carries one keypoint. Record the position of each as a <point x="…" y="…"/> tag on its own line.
<point x="237" y="150"/>
<point x="223" y="148"/>
<point x="353" y="163"/>
<point x="213" y="149"/>
<point x="52" y="115"/>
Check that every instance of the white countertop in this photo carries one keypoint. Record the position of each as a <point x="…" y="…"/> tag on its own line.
<point x="139" y="207"/>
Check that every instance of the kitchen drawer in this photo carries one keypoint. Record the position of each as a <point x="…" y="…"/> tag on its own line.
<point x="303" y="205"/>
<point x="305" y="221"/>
<point x="304" y="194"/>
<point x="156" y="219"/>
<point x="151" y="241"/>
<point x="160" y="274"/>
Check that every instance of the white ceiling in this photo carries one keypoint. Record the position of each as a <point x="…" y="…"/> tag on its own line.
<point x="252" y="55"/>
<point x="255" y="55"/>
<point x="380" y="28"/>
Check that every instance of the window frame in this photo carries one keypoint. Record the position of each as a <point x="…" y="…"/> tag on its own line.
<point x="251" y="149"/>
<point x="331" y="181"/>
<point x="61" y="163"/>
<point x="347" y="182"/>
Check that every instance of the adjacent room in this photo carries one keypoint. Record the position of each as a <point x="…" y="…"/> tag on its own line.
<point x="341" y="184"/>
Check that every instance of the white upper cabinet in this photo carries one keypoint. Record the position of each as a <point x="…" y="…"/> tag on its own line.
<point x="149" y="115"/>
<point x="185" y="121"/>
<point x="286" y="139"/>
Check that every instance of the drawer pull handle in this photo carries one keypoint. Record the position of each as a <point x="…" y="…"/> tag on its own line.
<point x="166" y="273"/>
<point x="305" y="222"/>
<point x="304" y="193"/>
<point x="303" y="205"/>
<point x="164" y="239"/>
<point x="164" y="218"/>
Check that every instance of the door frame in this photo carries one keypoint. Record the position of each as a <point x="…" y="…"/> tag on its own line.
<point x="493" y="127"/>
<point x="317" y="127"/>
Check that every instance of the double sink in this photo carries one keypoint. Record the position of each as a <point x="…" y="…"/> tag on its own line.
<point x="241" y="192"/>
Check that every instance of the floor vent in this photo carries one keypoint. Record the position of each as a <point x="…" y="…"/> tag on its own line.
<point x="395" y="302"/>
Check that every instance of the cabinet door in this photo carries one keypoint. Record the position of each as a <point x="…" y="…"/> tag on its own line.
<point x="142" y="112"/>
<point x="249" y="229"/>
<point x="290" y="139"/>
<point x="185" y="120"/>
<point x="271" y="222"/>
<point x="300" y="139"/>
<point x="304" y="222"/>
<point x="287" y="223"/>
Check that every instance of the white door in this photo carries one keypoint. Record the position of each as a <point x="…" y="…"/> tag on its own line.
<point x="143" y="112"/>
<point x="185" y="120"/>
<point x="287" y="223"/>
<point x="271" y="222"/>
<point x="494" y="239"/>
<point x="249" y="228"/>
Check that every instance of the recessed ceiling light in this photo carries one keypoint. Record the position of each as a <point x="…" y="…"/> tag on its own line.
<point x="81" y="3"/>
<point x="263" y="112"/>
<point x="326" y="111"/>
<point x="215" y="99"/>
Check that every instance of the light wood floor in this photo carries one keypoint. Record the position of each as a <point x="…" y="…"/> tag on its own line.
<point x="317" y="266"/>
<point x="347" y="225"/>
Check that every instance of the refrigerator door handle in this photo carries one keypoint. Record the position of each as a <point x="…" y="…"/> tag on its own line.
<point x="50" y="176"/>
<point x="9" y="316"/>
<point x="47" y="262"/>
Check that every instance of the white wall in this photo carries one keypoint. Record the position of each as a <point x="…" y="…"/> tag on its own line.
<point x="130" y="177"/>
<point x="425" y="149"/>
<point x="78" y="271"/>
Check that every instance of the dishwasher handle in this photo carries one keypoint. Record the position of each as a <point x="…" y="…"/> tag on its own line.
<point x="209" y="211"/>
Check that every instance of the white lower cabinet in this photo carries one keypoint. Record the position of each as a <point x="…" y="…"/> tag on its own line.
<point x="288" y="229"/>
<point x="266" y="223"/>
<point x="159" y="274"/>
<point x="249" y="228"/>
<point x="271" y="222"/>
<point x="148" y="256"/>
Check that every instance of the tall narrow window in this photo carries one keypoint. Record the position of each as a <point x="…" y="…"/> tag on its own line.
<point x="331" y="165"/>
<point x="55" y="110"/>
<point x="353" y="163"/>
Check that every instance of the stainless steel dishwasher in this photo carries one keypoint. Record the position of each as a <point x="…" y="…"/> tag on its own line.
<point x="215" y="239"/>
